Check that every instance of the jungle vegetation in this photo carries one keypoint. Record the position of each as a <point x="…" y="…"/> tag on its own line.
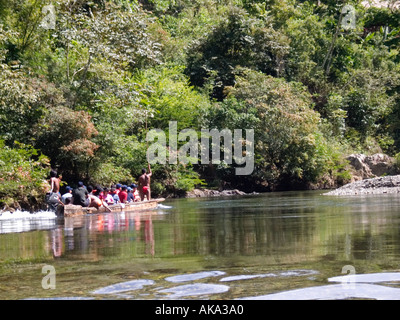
<point x="82" y="82"/>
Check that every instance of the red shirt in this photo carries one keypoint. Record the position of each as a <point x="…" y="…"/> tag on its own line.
<point x="123" y="196"/>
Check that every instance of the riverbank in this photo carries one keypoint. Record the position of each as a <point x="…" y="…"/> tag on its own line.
<point x="362" y="170"/>
<point x="379" y="185"/>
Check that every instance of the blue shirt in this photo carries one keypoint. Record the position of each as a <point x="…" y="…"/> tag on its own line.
<point x="116" y="198"/>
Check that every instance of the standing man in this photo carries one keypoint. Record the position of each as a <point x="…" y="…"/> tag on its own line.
<point x="144" y="184"/>
<point x="53" y="198"/>
<point x="55" y="182"/>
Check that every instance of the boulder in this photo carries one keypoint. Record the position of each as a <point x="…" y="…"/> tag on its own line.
<point x="200" y="193"/>
<point x="380" y="164"/>
<point x="375" y="165"/>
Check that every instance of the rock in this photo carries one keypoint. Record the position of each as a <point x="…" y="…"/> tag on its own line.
<point x="379" y="185"/>
<point x="357" y="161"/>
<point x="200" y="193"/>
<point x="380" y="164"/>
<point x="234" y="192"/>
<point x="371" y="166"/>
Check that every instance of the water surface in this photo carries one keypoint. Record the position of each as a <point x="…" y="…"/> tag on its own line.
<point x="279" y="245"/>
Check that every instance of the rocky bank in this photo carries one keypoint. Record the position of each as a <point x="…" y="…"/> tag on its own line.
<point x="379" y="185"/>
<point x="199" y="193"/>
<point x="375" y="174"/>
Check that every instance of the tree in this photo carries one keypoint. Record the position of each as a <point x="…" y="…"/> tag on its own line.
<point x="285" y="129"/>
<point x="65" y="136"/>
<point x="239" y="40"/>
<point x="117" y="34"/>
<point x="22" y="176"/>
<point x="23" y="98"/>
<point x="166" y="95"/>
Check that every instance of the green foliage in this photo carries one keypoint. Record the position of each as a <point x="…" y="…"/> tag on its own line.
<point x="18" y="107"/>
<point x="114" y="33"/>
<point x="167" y="96"/>
<point x="239" y="40"/>
<point x="286" y="129"/>
<point x="397" y="161"/>
<point x="120" y="160"/>
<point x="97" y="50"/>
<point x="330" y="166"/>
<point x="187" y="181"/>
<point x="22" y="175"/>
<point x="175" y="179"/>
<point x="108" y="173"/>
<point x="65" y="136"/>
<point x="86" y="93"/>
<point x="23" y="99"/>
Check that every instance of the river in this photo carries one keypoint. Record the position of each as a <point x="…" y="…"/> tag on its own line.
<point x="289" y="245"/>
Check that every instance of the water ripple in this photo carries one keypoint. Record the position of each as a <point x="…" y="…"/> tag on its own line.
<point x="197" y="289"/>
<point x="246" y="277"/>
<point x="289" y="273"/>
<point x="368" y="278"/>
<point x="194" y="276"/>
<point x="124" y="286"/>
<point x="337" y="292"/>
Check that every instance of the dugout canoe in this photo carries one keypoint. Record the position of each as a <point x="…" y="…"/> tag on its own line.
<point x="72" y="210"/>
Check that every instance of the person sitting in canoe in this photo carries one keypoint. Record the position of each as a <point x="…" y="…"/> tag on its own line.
<point x="108" y="197"/>
<point x="96" y="202"/>
<point x="80" y="195"/>
<point x="123" y="194"/>
<point x="133" y="194"/>
<point x="67" y="197"/>
<point x="144" y="184"/>
<point x="115" y="196"/>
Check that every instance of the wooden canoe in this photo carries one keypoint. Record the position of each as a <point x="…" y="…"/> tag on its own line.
<point x="72" y="210"/>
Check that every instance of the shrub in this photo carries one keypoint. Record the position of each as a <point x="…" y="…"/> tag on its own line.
<point x="22" y="176"/>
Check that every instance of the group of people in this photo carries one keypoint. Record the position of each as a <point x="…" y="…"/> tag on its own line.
<point x="98" y="196"/>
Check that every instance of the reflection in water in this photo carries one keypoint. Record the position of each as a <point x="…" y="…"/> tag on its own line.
<point x="149" y="236"/>
<point x="194" y="276"/>
<point x="353" y="286"/>
<point x="57" y="242"/>
<point x="338" y="292"/>
<point x="246" y="277"/>
<point x="269" y="227"/>
<point x="290" y="273"/>
<point x="262" y="243"/>
<point x="22" y="221"/>
<point x="124" y="286"/>
<point x="89" y="235"/>
<point x="197" y="289"/>
<point x="368" y="278"/>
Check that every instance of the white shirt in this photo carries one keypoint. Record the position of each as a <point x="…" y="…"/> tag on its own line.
<point x="65" y="196"/>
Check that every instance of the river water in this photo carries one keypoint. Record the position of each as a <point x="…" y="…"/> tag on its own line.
<point x="290" y="245"/>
